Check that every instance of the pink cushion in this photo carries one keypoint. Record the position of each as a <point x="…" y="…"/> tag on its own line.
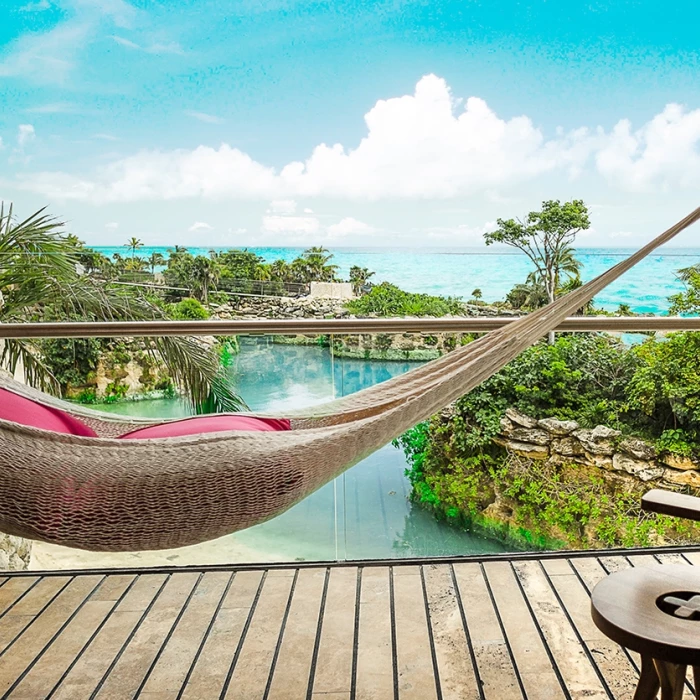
<point x="19" y="409"/>
<point x="207" y="424"/>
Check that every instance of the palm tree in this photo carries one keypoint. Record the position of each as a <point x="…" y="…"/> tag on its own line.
<point x="39" y="281"/>
<point x="476" y="294"/>
<point x="359" y="277"/>
<point x="155" y="260"/>
<point x="317" y="259"/>
<point x="204" y="274"/>
<point x="133" y="244"/>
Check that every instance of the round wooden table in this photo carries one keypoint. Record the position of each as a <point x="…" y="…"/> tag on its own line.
<point x="656" y="612"/>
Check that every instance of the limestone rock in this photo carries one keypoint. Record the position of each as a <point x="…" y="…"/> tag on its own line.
<point x="600" y="461"/>
<point x="678" y="462"/>
<point x="531" y="435"/>
<point x="506" y="426"/>
<point x="638" y="448"/>
<point x="526" y="449"/>
<point x="689" y="478"/>
<point x="643" y="470"/>
<point x="558" y="427"/>
<point x="15" y="553"/>
<point x="520" y="418"/>
<point x="597" y="441"/>
<point x="567" y="446"/>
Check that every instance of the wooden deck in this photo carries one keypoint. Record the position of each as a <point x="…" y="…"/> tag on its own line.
<point x="496" y="628"/>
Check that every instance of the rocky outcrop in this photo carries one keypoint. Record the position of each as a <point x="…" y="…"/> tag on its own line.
<point x="601" y="447"/>
<point x="15" y="553"/>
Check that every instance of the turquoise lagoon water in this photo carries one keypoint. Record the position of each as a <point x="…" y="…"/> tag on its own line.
<point x="645" y="287"/>
<point x="364" y="513"/>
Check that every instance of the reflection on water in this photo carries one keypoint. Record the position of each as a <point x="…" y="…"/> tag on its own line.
<point x="365" y="513"/>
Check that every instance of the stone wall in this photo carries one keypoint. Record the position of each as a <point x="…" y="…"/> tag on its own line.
<point x="565" y="442"/>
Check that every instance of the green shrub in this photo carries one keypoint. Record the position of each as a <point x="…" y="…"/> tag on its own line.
<point x="387" y="299"/>
<point x="188" y="310"/>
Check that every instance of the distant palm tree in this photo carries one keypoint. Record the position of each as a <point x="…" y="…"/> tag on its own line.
<point x="155" y="260"/>
<point x="477" y="294"/>
<point x="359" y="276"/>
<point x="204" y="274"/>
<point x="318" y="268"/>
<point x="133" y="244"/>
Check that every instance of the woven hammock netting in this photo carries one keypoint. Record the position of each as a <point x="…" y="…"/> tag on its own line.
<point x="105" y="494"/>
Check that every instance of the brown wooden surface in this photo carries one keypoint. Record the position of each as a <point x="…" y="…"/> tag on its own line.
<point x="492" y="629"/>
<point x="672" y="503"/>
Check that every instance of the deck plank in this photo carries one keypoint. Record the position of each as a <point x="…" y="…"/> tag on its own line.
<point x="529" y="652"/>
<point x="578" y="673"/>
<point x="334" y="662"/>
<point x="374" y="677"/>
<point x="253" y="667"/>
<point x="293" y="664"/>
<point x="413" y="651"/>
<point x="457" y="676"/>
<point x="493" y="660"/>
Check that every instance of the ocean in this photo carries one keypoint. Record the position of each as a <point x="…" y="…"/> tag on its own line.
<point x="457" y="272"/>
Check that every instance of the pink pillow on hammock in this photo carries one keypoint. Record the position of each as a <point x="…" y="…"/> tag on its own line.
<point x="207" y="424"/>
<point x="19" y="409"/>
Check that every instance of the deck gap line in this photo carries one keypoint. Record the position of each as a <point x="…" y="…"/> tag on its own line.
<point x="589" y="591"/>
<point x="497" y="612"/>
<point x="55" y="636"/>
<point x="280" y="636"/>
<point x="198" y="653"/>
<point x="580" y="639"/>
<point x="392" y="621"/>
<point x="543" y="639"/>
<point x="244" y="632"/>
<point x="85" y="646"/>
<point x="431" y="638"/>
<point x="127" y="641"/>
<point x="37" y="616"/>
<point x="317" y="639"/>
<point x="465" y="627"/>
<point x="356" y="636"/>
<point x="7" y="610"/>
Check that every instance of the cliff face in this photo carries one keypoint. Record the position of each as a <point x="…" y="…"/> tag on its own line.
<point x="549" y="483"/>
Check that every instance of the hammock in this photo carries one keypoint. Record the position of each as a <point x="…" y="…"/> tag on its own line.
<point x="105" y="494"/>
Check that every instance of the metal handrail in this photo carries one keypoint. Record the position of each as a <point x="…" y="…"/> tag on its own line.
<point x="114" y="329"/>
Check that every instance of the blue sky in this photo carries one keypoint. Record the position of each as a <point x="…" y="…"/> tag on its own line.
<point x="347" y="123"/>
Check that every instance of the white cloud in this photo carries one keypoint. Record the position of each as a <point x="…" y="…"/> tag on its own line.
<point x="112" y="226"/>
<point x="38" y="6"/>
<point x="200" y="226"/>
<point x="423" y="146"/>
<point x="663" y="153"/>
<point x="274" y="223"/>
<point x="25" y="135"/>
<point x="349" y="227"/>
<point x="55" y="108"/>
<point x="204" y="117"/>
<point x="308" y="211"/>
<point x="104" y="137"/>
<point x="284" y="206"/>
<point x="156" y="48"/>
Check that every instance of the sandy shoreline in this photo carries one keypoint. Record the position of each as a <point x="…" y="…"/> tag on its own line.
<point x="225" y="550"/>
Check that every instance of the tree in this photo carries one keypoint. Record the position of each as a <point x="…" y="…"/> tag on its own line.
<point x="477" y="294"/>
<point x="359" y="277"/>
<point x="545" y="237"/>
<point x="204" y="274"/>
<point x="155" y="260"/>
<point x="133" y="244"/>
<point x="316" y="261"/>
<point x="39" y="282"/>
